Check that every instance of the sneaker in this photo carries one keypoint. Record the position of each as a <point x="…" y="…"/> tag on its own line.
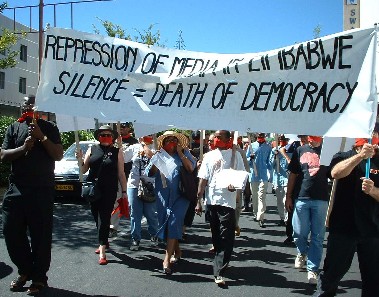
<point x="281" y="223"/>
<point x="219" y="280"/>
<point x="154" y="241"/>
<point x="134" y="246"/>
<point x="300" y="261"/>
<point x="312" y="277"/>
<point x="112" y="233"/>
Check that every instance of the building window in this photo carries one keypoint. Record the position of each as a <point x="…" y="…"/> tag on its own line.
<point x="22" y="85"/>
<point x="24" y="53"/>
<point x="2" y="80"/>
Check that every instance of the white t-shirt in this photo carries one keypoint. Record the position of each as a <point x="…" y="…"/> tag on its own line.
<point x="213" y="162"/>
<point x="133" y="154"/>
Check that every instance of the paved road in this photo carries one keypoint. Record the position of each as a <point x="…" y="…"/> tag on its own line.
<point x="261" y="266"/>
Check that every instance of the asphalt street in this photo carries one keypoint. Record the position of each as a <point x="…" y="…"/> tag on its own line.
<point x="261" y="265"/>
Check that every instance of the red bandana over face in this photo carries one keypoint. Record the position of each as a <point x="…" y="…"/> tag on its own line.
<point x="105" y="139"/>
<point x="169" y="146"/>
<point x="27" y="115"/>
<point x="218" y="143"/>
<point x="148" y="140"/>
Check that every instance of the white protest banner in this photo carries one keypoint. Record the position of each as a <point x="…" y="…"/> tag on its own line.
<point x="320" y="87"/>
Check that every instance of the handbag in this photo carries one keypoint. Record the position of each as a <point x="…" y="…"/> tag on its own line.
<point x="90" y="190"/>
<point x="145" y="189"/>
<point x="187" y="184"/>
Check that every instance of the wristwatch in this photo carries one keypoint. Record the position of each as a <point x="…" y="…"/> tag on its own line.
<point x="44" y="138"/>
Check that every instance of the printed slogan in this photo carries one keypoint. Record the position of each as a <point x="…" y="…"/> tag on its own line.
<point x="319" y="87"/>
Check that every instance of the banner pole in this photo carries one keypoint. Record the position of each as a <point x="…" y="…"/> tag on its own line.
<point x="202" y="136"/>
<point x="76" y="134"/>
<point x="334" y="185"/>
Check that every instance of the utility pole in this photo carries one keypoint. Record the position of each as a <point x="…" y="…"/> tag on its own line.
<point x="40" y="36"/>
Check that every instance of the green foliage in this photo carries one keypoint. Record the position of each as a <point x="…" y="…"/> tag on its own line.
<point x="148" y="36"/>
<point x="5" y="168"/>
<point x="317" y="31"/>
<point x="7" y="40"/>
<point x="68" y="138"/>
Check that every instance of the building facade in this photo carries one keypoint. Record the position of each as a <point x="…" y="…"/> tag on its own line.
<point x="22" y="80"/>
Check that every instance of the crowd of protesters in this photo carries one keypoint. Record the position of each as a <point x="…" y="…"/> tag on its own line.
<point x="123" y="164"/>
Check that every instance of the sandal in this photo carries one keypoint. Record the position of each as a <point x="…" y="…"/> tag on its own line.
<point x="167" y="270"/>
<point x="18" y="283"/>
<point x="103" y="260"/>
<point x="174" y="259"/>
<point x="35" y="288"/>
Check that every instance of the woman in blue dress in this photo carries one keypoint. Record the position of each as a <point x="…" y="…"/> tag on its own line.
<point x="171" y="203"/>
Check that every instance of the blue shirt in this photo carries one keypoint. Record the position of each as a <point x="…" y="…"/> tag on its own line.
<point x="261" y="152"/>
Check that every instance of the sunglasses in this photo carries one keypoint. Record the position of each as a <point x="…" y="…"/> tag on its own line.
<point x="105" y="135"/>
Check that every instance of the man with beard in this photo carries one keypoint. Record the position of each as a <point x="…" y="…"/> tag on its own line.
<point x="354" y="220"/>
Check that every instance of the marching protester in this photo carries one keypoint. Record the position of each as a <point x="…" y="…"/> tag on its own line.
<point x="220" y="202"/>
<point x="240" y="193"/>
<point x="287" y="153"/>
<point x="127" y="140"/>
<point x="32" y="145"/>
<point x="310" y="206"/>
<point x="258" y="154"/>
<point x="354" y="220"/>
<point x="140" y="154"/>
<point x="279" y="163"/>
<point x="106" y="165"/>
<point x="165" y="166"/>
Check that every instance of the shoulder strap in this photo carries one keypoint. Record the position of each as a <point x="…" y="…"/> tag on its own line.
<point x="233" y="161"/>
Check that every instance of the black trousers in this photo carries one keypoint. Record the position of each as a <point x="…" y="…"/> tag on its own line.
<point x="223" y="224"/>
<point x="339" y="255"/>
<point x="29" y="209"/>
<point x="101" y="211"/>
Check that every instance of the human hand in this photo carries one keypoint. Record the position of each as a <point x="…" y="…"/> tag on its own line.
<point x="79" y="154"/>
<point x="289" y="204"/>
<point x="367" y="185"/>
<point x="231" y="188"/>
<point x="367" y="151"/>
<point x="198" y="208"/>
<point x="35" y="131"/>
<point x="29" y="143"/>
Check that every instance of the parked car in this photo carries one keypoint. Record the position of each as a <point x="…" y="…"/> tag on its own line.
<point x="66" y="171"/>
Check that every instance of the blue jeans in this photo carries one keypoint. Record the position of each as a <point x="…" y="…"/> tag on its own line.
<point x="309" y="216"/>
<point x="138" y="208"/>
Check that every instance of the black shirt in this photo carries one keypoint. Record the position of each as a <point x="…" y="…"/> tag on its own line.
<point x="305" y="161"/>
<point x="355" y="212"/>
<point x="107" y="157"/>
<point x="36" y="167"/>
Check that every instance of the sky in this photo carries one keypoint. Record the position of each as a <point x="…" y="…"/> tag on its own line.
<point x="216" y="26"/>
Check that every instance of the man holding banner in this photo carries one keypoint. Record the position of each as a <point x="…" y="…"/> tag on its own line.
<point x="354" y="220"/>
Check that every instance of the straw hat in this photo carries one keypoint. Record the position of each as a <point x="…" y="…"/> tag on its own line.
<point x="183" y="140"/>
<point x="105" y="128"/>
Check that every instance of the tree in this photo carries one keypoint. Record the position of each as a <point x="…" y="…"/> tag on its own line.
<point x="180" y="42"/>
<point x="317" y="31"/>
<point x="7" y="40"/>
<point x="148" y="36"/>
